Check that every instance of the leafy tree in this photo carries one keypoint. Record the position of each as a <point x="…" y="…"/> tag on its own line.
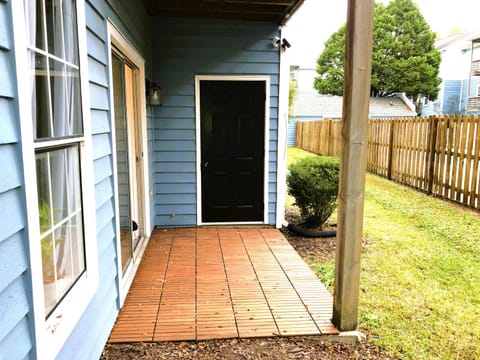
<point x="404" y="58"/>
<point x="330" y="65"/>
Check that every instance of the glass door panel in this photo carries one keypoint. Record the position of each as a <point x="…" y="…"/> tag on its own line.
<point x="134" y="159"/>
<point x="122" y="152"/>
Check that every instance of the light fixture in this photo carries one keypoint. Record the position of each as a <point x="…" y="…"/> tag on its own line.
<point x="154" y="94"/>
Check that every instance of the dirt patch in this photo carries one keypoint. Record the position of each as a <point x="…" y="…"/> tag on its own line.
<point x="277" y="348"/>
<point x="248" y="349"/>
<point x="310" y="249"/>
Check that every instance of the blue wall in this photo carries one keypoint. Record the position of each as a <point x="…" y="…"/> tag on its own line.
<point x="183" y="48"/>
<point x="452" y="96"/>
<point x="291" y="132"/>
<point x="455" y="95"/>
<point x="16" y="330"/>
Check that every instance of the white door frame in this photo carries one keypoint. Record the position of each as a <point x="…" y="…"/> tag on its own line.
<point x="128" y="50"/>
<point x="262" y="78"/>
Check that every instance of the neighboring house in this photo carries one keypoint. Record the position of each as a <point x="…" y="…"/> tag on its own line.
<point x="88" y="169"/>
<point x="313" y="106"/>
<point x="455" y="71"/>
<point x="309" y="105"/>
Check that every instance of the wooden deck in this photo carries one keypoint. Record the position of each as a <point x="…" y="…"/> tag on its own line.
<point x="212" y="283"/>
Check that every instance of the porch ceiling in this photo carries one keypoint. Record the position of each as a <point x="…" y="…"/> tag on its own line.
<point x="278" y="11"/>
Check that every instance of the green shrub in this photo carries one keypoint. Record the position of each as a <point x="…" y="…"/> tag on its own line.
<point x="313" y="182"/>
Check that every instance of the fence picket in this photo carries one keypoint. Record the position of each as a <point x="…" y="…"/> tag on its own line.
<point x="475" y="191"/>
<point x="461" y="158"/>
<point x="468" y="160"/>
<point x="431" y="153"/>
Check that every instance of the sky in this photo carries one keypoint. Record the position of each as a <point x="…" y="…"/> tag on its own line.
<point x="316" y="20"/>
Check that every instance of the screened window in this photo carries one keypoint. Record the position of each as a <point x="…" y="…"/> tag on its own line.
<point x="58" y="139"/>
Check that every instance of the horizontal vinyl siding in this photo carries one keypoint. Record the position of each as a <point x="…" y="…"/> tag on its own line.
<point x="451" y="96"/>
<point x="292" y="132"/>
<point x="16" y="330"/>
<point x="91" y="333"/>
<point x="182" y="49"/>
<point x="463" y="98"/>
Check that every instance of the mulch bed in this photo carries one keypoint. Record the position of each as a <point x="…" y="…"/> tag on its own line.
<point x="278" y="348"/>
<point x="321" y="249"/>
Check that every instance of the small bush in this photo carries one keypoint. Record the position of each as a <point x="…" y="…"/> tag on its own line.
<point x="313" y="182"/>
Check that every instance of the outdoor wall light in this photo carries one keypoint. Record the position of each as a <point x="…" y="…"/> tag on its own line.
<point x="154" y="94"/>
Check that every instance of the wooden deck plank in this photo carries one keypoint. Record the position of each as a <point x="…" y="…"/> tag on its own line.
<point x="215" y="283"/>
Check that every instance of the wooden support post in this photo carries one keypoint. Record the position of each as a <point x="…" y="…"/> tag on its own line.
<point x="353" y="163"/>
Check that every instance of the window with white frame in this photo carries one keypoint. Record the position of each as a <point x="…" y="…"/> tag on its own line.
<point x="58" y="140"/>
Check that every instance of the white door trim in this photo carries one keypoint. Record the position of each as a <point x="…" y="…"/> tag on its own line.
<point x="128" y="50"/>
<point x="284" y="86"/>
<point x="262" y="78"/>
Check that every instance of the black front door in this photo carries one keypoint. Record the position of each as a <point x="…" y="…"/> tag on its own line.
<point x="232" y="116"/>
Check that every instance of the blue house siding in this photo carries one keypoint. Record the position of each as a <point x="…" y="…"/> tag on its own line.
<point x="182" y="49"/>
<point x="455" y="95"/>
<point x="16" y="330"/>
<point x="291" y="132"/>
<point x="451" y="96"/>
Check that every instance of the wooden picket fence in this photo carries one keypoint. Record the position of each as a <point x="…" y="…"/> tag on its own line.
<point x="321" y="137"/>
<point x="437" y="155"/>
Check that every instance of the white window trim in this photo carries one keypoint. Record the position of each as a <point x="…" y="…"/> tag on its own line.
<point x="116" y="37"/>
<point x="261" y="78"/>
<point x="51" y="334"/>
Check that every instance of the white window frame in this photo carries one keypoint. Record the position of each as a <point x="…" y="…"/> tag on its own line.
<point x="52" y="333"/>
<point x="260" y="78"/>
<point x="128" y="50"/>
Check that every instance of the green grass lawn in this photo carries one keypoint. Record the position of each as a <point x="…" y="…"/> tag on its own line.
<point x="420" y="281"/>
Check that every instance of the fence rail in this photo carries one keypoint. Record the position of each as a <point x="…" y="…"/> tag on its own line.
<point x="437" y="155"/>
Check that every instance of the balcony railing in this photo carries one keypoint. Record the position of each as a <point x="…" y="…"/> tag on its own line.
<point x="473" y="103"/>
<point x="475" y="70"/>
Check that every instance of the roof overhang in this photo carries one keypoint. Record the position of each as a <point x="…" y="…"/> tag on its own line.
<point x="278" y="11"/>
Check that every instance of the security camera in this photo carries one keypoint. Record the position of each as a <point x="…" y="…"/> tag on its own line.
<point x="285" y="43"/>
